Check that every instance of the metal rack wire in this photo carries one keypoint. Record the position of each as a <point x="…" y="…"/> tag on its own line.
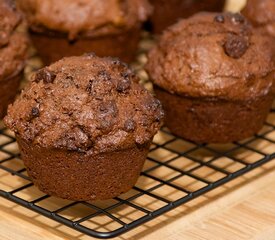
<point x="176" y="172"/>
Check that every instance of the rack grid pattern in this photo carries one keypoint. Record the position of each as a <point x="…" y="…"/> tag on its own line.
<point x="176" y="172"/>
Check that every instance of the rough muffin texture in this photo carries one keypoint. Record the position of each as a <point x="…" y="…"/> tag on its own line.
<point x="73" y="27"/>
<point x="261" y="13"/>
<point x="213" y="58"/>
<point x="13" y="52"/>
<point x="93" y="112"/>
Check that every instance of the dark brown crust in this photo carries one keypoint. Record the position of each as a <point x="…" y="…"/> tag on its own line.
<point x="85" y="104"/>
<point x="211" y="121"/>
<point x="79" y="177"/>
<point x="8" y="92"/>
<point x="123" y="46"/>
<point x="213" y="55"/>
<point x="167" y="13"/>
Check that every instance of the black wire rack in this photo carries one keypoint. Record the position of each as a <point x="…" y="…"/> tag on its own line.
<point x="176" y="172"/>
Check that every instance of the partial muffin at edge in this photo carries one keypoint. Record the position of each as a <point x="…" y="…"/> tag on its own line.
<point x="70" y="28"/>
<point x="214" y="62"/>
<point x="261" y="13"/>
<point x="13" y="53"/>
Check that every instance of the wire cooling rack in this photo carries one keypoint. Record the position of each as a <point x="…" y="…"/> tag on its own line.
<point x="176" y="172"/>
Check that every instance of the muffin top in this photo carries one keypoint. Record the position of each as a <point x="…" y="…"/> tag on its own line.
<point x="86" y="104"/>
<point x="87" y="17"/>
<point x="213" y="55"/>
<point x="13" y="45"/>
<point x="261" y="13"/>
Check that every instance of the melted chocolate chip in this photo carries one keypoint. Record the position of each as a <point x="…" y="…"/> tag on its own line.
<point x="219" y="18"/>
<point x="116" y="61"/>
<point x="153" y="105"/>
<point x="104" y="75"/>
<point x="123" y="85"/>
<point x="129" y="125"/>
<point x="35" y="112"/>
<point x="238" y="18"/>
<point x="117" y="64"/>
<point x="45" y="75"/>
<point x="235" y="46"/>
<point x="89" y="87"/>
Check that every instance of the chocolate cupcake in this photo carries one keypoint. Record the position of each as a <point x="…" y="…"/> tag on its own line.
<point x="261" y="13"/>
<point x="73" y="27"/>
<point x="169" y="12"/>
<point x="13" y="52"/>
<point x="84" y="127"/>
<point x="213" y="74"/>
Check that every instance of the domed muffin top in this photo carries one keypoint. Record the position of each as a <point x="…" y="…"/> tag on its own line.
<point x="13" y="45"/>
<point x="213" y="55"/>
<point x="261" y="13"/>
<point x="86" y="104"/>
<point x="89" y="17"/>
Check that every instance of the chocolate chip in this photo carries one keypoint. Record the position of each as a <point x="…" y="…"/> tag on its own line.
<point x="35" y="112"/>
<point x="153" y="104"/>
<point x="45" y="75"/>
<point x="237" y="18"/>
<point x="235" y="46"/>
<point x="117" y="62"/>
<point x="125" y="75"/>
<point x="89" y="87"/>
<point x="129" y="125"/>
<point x="123" y="85"/>
<point x="104" y="75"/>
<point x="219" y="18"/>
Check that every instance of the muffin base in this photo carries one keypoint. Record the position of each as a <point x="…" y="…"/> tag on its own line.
<point x="8" y="91"/>
<point x="80" y="177"/>
<point x="52" y="47"/>
<point x="167" y="13"/>
<point x="213" y="121"/>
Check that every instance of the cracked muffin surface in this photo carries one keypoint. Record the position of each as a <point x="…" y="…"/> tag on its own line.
<point x="85" y="104"/>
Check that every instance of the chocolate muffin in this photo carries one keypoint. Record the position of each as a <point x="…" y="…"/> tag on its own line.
<point x="169" y="12"/>
<point x="84" y="127"/>
<point x="213" y="74"/>
<point x="73" y="27"/>
<point x="13" y="52"/>
<point x="261" y="13"/>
